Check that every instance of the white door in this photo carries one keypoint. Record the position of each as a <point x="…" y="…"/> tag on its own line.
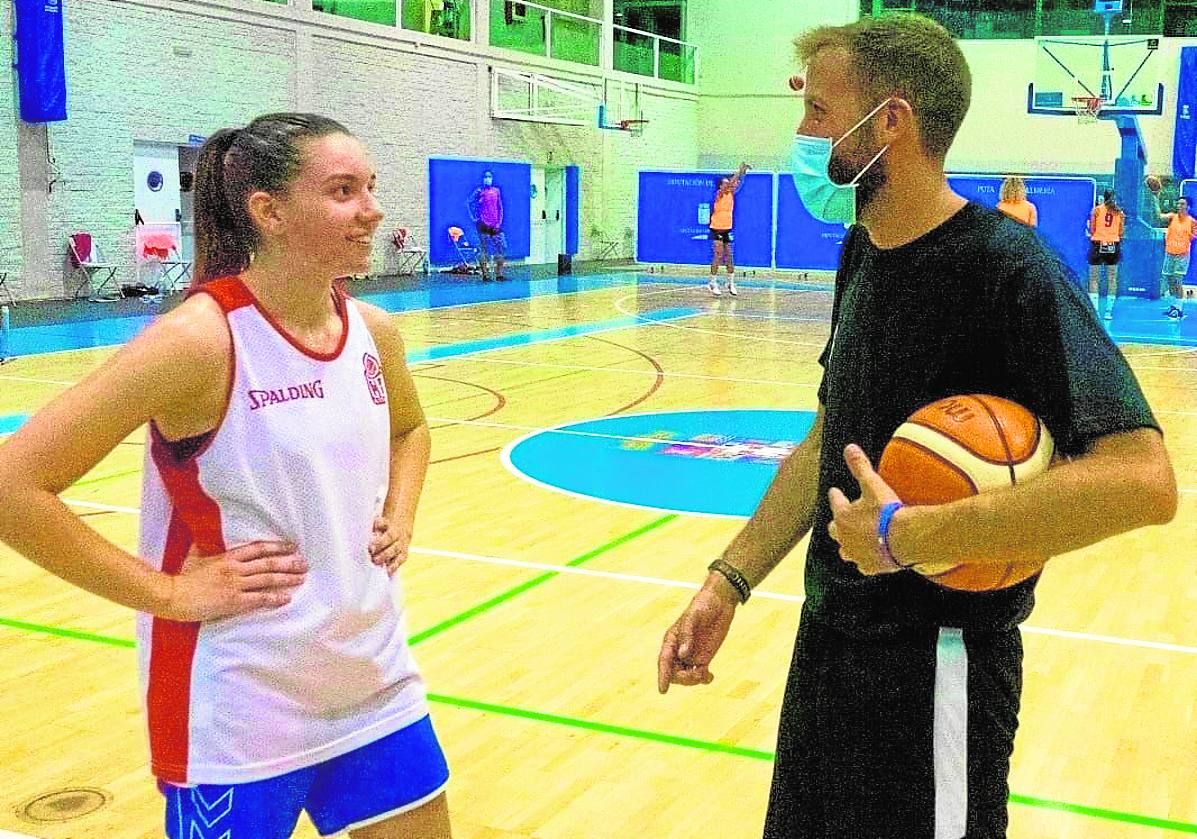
<point x="537" y="249"/>
<point x="188" y="159"/>
<point x="156" y="182"/>
<point x="554" y="210"/>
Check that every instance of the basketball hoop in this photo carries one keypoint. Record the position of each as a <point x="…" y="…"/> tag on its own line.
<point x="636" y="126"/>
<point x="1088" y="109"/>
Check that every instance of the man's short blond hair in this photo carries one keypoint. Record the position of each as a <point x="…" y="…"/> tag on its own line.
<point x="909" y="56"/>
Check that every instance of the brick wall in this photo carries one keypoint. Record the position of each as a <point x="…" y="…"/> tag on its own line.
<point x="406" y="99"/>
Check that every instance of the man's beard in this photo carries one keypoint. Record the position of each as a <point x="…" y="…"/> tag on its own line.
<point x="843" y="170"/>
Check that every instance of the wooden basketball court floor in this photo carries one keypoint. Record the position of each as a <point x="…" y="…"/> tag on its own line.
<point x="536" y="616"/>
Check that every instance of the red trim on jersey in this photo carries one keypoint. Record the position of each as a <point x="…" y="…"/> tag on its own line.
<point x="194" y="522"/>
<point x="228" y="292"/>
<point x="232" y="293"/>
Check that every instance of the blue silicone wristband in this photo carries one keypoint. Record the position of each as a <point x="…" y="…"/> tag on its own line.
<point x="883" y="523"/>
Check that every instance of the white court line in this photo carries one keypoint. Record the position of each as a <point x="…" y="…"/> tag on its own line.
<point x="657" y="441"/>
<point x="763" y="595"/>
<point x="740" y="335"/>
<point x="8" y="834"/>
<point x="92" y="505"/>
<point x="35" y="381"/>
<point x="640" y="372"/>
<point x="589" y="572"/>
<point x="769" y="595"/>
<point x="1131" y="359"/>
<point x="535" y="343"/>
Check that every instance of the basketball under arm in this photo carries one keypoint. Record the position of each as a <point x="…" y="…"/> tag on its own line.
<point x="1124" y="482"/>
<point x="785" y="513"/>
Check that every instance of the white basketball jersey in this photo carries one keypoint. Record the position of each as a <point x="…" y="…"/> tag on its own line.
<point x="302" y="455"/>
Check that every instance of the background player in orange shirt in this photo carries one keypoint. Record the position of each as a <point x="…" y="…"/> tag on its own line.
<point x="1014" y="202"/>
<point x="1182" y="230"/>
<point x="1106" y="223"/>
<point x="721" y="225"/>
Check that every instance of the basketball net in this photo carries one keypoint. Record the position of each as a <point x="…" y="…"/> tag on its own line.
<point x="1088" y="109"/>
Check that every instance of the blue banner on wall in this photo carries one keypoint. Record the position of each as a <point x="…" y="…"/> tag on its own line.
<point x="1184" y="147"/>
<point x="452" y="181"/>
<point x="674" y="213"/>
<point x="802" y="241"/>
<point x="1063" y="204"/>
<point x="573" y="208"/>
<point x="41" y="60"/>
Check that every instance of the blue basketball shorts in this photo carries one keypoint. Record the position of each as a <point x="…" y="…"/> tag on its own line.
<point x="398" y="773"/>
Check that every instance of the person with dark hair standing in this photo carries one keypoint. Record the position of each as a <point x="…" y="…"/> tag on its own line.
<point x="1106" y="225"/>
<point x="722" y="215"/>
<point x="285" y="457"/>
<point x="902" y="698"/>
<point x="1178" y="242"/>
<point x="485" y="206"/>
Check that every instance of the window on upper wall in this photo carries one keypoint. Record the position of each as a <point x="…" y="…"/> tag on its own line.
<point x="637" y="51"/>
<point x="569" y="30"/>
<point x="996" y="19"/>
<point x="374" y="11"/>
<point x="660" y="17"/>
<point x="447" y="18"/>
<point x="1180" y="18"/>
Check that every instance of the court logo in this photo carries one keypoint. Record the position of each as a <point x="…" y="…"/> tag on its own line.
<point x="373" y="371"/>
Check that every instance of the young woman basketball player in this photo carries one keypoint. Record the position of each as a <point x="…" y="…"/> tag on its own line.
<point x="1014" y="202"/>
<point x="1106" y="224"/>
<point x="285" y="457"/>
<point x="721" y="226"/>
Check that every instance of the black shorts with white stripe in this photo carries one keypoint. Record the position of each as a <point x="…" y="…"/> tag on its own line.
<point x="897" y="737"/>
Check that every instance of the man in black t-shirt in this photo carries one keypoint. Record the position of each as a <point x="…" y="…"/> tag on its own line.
<point x="902" y="700"/>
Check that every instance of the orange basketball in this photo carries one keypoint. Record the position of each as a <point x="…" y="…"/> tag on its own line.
<point x="797" y="83"/>
<point x="961" y="446"/>
<point x="1154" y="184"/>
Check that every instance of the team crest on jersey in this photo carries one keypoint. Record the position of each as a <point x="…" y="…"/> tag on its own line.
<point x="373" y="370"/>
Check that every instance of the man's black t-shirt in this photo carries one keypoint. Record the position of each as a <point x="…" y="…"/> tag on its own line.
<point x="978" y="305"/>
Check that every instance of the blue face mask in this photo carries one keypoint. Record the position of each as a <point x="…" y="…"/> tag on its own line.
<point x="825" y="199"/>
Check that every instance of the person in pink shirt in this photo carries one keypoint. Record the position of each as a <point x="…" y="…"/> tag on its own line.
<point x="486" y="211"/>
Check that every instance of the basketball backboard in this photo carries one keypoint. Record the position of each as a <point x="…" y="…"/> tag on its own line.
<point x="1121" y="71"/>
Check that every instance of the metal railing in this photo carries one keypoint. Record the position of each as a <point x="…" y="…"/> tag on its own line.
<point x="542" y="30"/>
<point x="667" y="58"/>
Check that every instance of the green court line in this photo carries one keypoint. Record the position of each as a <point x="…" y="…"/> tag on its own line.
<point x="69" y="633"/>
<point x="103" y="478"/>
<point x="637" y="733"/>
<point x="1099" y="813"/>
<point x="756" y="754"/>
<point x="605" y="728"/>
<point x="535" y="581"/>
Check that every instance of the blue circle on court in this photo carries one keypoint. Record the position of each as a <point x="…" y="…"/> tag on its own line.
<point x="712" y="463"/>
